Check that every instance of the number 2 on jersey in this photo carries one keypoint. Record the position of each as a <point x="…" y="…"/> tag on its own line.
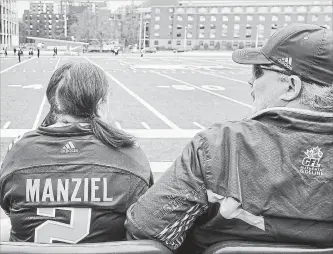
<point x="75" y="231"/>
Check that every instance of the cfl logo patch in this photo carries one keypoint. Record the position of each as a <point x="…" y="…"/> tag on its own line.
<point x="286" y="62"/>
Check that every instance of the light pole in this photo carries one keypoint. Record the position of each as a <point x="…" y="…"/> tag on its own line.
<point x="144" y="35"/>
<point x="185" y="37"/>
<point x="140" y="31"/>
<point x="257" y="36"/>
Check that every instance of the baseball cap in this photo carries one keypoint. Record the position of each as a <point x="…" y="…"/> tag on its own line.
<point x="305" y="50"/>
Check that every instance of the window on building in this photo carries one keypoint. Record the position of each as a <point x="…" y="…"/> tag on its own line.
<point x="179" y="18"/>
<point x="275" y="9"/>
<point x="170" y="18"/>
<point x="201" y="34"/>
<point x="212" y="34"/>
<point x="190" y="18"/>
<point x="328" y="18"/>
<point x="300" y="18"/>
<point x="250" y="9"/>
<point x="225" y="18"/>
<point x="275" y="18"/>
<point x="156" y="42"/>
<point x="287" y="18"/>
<point x="261" y="18"/>
<point x="211" y="43"/>
<point x="202" y="10"/>
<point x="248" y="32"/>
<point x="189" y="26"/>
<point x="189" y="35"/>
<point x="202" y="18"/>
<point x="169" y="42"/>
<point x="157" y="26"/>
<point x="263" y="9"/>
<point x="178" y="43"/>
<point x="214" y="10"/>
<point x="179" y="27"/>
<point x="190" y="10"/>
<point x="202" y="27"/>
<point x="170" y="26"/>
<point x="238" y="9"/>
<point x="179" y="34"/>
<point x="288" y="9"/>
<point x="328" y="8"/>
<point x="226" y="10"/>
<point x="224" y="30"/>
<point x="180" y="10"/>
<point x="315" y="9"/>
<point x="156" y="34"/>
<point x="189" y="43"/>
<point x="170" y="10"/>
<point x="157" y="18"/>
<point x="201" y="43"/>
<point x="301" y="9"/>
<point x="237" y="18"/>
<point x="213" y="18"/>
<point x="212" y="26"/>
<point x="274" y="29"/>
<point x="236" y="30"/>
<point x="249" y="18"/>
<point x="314" y="18"/>
<point x="157" y="10"/>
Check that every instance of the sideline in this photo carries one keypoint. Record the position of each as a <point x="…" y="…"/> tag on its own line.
<point x="219" y="76"/>
<point x="137" y="97"/>
<point x="43" y="103"/>
<point x="205" y="90"/>
<point x="15" y="65"/>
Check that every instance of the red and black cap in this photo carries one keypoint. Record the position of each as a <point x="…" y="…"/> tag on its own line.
<point x="305" y="50"/>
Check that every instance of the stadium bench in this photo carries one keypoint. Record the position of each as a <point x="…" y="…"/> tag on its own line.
<point x="122" y="247"/>
<point x="245" y="247"/>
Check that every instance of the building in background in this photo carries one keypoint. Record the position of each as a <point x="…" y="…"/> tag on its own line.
<point x="44" y="25"/>
<point x="9" y="24"/>
<point x="92" y="5"/>
<point x="47" y="7"/>
<point x="217" y="24"/>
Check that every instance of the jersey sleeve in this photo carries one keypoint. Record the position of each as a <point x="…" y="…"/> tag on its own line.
<point x="168" y="209"/>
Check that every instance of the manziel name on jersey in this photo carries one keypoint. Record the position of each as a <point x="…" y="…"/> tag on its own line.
<point x="67" y="190"/>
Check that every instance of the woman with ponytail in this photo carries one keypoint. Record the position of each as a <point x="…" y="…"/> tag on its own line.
<point x="73" y="178"/>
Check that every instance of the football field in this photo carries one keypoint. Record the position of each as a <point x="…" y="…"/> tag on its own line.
<point x="162" y="99"/>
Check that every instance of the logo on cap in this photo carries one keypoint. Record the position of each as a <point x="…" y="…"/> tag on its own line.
<point x="286" y="62"/>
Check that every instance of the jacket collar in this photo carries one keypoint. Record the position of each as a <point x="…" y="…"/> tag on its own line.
<point x="73" y="129"/>
<point x="298" y="119"/>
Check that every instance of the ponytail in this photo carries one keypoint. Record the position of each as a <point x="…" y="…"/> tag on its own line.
<point x="110" y="135"/>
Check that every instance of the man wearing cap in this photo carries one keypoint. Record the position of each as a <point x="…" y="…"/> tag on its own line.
<point x="265" y="178"/>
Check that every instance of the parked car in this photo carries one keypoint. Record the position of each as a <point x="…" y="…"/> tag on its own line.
<point x="150" y="50"/>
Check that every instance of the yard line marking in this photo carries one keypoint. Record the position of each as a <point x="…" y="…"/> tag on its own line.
<point x="11" y="67"/>
<point x="42" y="104"/>
<point x="145" y="125"/>
<point x="118" y="125"/>
<point x="139" y="133"/>
<point x="142" y="101"/>
<point x="219" y="76"/>
<point x="205" y="90"/>
<point x="163" y="86"/>
<point x="7" y="125"/>
<point x="199" y="125"/>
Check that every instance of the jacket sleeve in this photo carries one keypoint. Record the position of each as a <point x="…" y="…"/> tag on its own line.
<point x="170" y="207"/>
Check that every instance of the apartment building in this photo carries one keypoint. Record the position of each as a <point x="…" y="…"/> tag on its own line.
<point x="47" y="7"/>
<point x="8" y="24"/>
<point x="92" y="5"/>
<point x="194" y="24"/>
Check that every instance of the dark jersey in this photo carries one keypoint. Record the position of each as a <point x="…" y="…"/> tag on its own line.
<point x="62" y="184"/>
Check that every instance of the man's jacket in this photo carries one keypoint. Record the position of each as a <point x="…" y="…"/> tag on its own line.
<point x="62" y="184"/>
<point x="265" y="178"/>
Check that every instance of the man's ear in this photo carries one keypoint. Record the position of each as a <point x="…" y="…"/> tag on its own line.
<point x="293" y="88"/>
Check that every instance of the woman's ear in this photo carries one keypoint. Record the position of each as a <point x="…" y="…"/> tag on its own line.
<point x="293" y="87"/>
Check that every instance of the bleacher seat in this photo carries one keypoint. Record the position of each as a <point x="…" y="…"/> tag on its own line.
<point x="245" y="247"/>
<point x="121" y="247"/>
